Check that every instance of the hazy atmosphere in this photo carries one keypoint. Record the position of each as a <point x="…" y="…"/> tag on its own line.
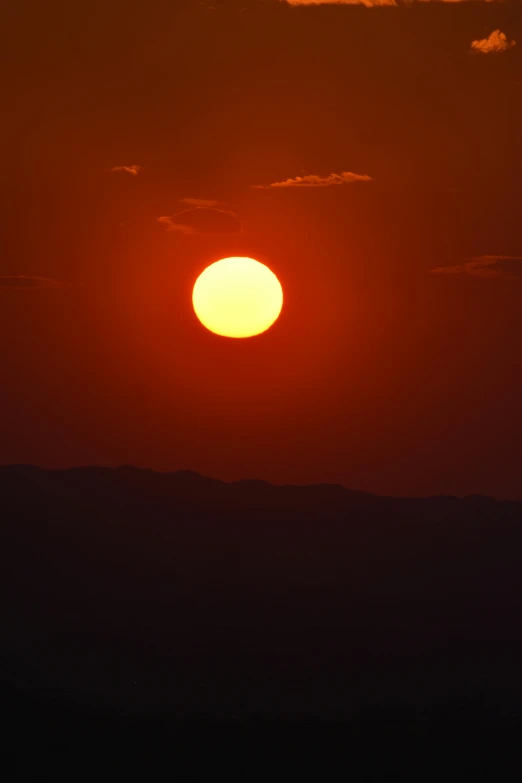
<point x="371" y="156"/>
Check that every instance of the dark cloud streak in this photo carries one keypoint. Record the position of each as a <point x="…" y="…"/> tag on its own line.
<point x="486" y="267"/>
<point x="203" y="220"/>
<point x="27" y="283"/>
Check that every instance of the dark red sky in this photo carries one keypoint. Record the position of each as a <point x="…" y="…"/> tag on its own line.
<point x="380" y="374"/>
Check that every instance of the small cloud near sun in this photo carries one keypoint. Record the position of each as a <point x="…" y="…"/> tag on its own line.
<point x="133" y="170"/>
<point x="28" y="283"/>
<point x="317" y="181"/>
<point x="202" y="202"/>
<point x="203" y="220"/>
<point x="367" y="3"/>
<point x="378" y="3"/>
<point x="487" y="267"/>
<point x="496" y="43"/>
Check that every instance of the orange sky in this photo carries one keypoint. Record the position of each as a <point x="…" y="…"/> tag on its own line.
<point x="354" y="150"/>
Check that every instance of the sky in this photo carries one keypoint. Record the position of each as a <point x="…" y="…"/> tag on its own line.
<point x="369" y="153"/>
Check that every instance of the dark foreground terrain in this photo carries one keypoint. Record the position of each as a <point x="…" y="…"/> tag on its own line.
<point x="252" y="626"/>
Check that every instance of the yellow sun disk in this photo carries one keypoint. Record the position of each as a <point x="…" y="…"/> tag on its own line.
<point x="237" y="297"/>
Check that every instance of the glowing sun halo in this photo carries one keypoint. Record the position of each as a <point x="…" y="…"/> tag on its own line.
<point x="237" y="297"/>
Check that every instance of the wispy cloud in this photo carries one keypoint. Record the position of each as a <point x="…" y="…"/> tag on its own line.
<point x="496" y="43"/>
<point x="379" y="3"/>
<point x="318" y="181"/>
<point x="202" y="202"/>
<point x="506" y="267"/>
<point x="133" y="170"/>
<point x="203" y="220"/>
<point x="27" y="283"/>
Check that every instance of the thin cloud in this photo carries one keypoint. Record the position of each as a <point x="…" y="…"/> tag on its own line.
<point x="133" y="170"/>
<point x="317" y="181"/>
<point x="496" y="43"/>
<point x="504" y="267"/>
<point x="203" y="220"/>
<point x="201" y="202"/>
<point x="26" y="283"/>
<point x="378" y="3"/>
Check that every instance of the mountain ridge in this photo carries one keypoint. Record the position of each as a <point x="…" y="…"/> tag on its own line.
<point x="252" y="483"/>
<point x="175" y="592"/>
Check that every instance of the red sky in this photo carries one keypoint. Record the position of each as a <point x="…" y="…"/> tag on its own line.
<point x="352" y="149"/>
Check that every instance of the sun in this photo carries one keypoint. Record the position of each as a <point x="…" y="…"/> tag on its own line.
<point x="237" y="297"/>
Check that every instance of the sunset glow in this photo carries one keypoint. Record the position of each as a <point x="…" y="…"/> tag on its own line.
<point x="237" y="297"/>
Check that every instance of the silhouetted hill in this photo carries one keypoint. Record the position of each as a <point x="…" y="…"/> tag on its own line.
<point x="174" y="594"/>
